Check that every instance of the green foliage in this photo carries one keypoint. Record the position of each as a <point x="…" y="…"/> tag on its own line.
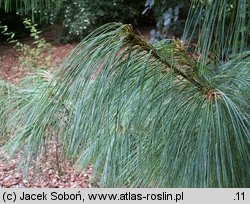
<point x="38" y="55"/>
<point x="146" y="115"/>
<point x="5" y="32"/>
<point x="81" y="17"/>
<point x="35" y="7"/>
<point x="4" y="115"/>
<point x="78" y="20"/>
<point x="223" y="30"/>
<point x="171" y="15"/>
<point x="15" y="100"/>
<point x="35" y="56"/>
<point x="140" y="118"/>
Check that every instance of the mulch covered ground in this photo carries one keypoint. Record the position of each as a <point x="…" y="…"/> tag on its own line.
<point x="47" y="177"/>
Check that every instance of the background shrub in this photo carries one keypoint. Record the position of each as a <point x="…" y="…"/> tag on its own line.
<point x="82" y="16"/>
<point x="79" y="17"/>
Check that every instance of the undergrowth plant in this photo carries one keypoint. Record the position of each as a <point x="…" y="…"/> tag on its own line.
<point x="39" y="54"/>
<point x="148" y="115"/>
<point x="34" y="56"/>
